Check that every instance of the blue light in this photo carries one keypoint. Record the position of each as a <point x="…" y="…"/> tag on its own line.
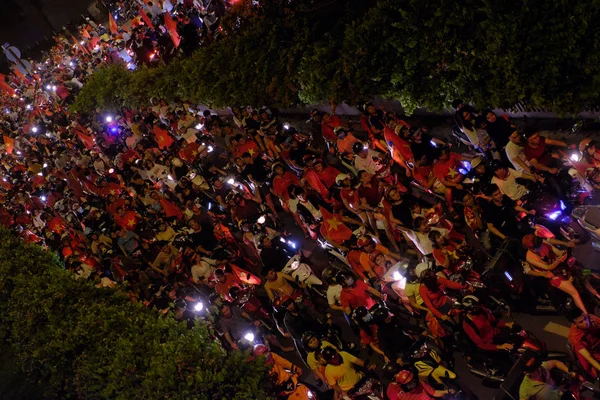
<point x="507" y="275"/>
<point x="554" y="215"/>
<point x="466" y="164"/>
<point x="462" y="171"/>
<point x="433" y="143"/>
<point x="562" y="205"/>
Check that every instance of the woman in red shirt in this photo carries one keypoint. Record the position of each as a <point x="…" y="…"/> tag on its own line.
<point x="433" y="293"/>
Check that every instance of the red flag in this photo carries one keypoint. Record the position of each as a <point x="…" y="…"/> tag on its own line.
<point x="244" y="276"/>
<point x="172" y="28"/>
<point x="9" y="144"/>
<point x="314" y="182"/>
<point x="147" y="20"/>
<point x="112" y="24"/>
<point x="399" y="148"/>
<point x="87" y="140"/>
<point x="170" y="209"/>
<point x="334" y="229"/>
<point x="93" y="42"/>
<point x="162" y="137"/>
<point x="189" y="152"/>
<point x="85" y="34"/>
<point x="5" y="86"/>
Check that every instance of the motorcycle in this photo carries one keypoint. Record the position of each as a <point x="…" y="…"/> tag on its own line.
<point x="550" y="212"/>
<point x="248" y="302"/>
<point x="303" y="274"/>
<point x="588" y="217"/>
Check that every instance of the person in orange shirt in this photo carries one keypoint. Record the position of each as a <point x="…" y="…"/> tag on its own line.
<point x="225" y="281"/>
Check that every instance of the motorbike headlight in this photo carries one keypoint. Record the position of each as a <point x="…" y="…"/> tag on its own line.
<point x="249" y="337"/>
<point x="553" y="215"/>
<point x="292" y="244"/>
<point x="261" y="220"/>
<point x="397" y="275"/>
<point x="199" y="307"/>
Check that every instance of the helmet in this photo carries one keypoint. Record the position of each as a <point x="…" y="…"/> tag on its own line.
<point x="313" y="161"/>
<point x="343" y="277"/>
<point x="420" y="268"/>
<point x="390" y="370"/>
<point x="234" y="292"/>
<point x="329" y="274"/>
<point x="180" y="303"/>
<point x="406" y="379"/>
<point x="282" y="302"/>
<point x="373" y="255"/>
<point x="380" y="314"/>
<point x="362" y="315"/>
<point x="340" y="178"/>
<point x="307" y="337"/>
<point x="585" y="143"/>
<point x="470" y="301"/>
<point x="358" y="147"/>
<point x="339" y="130"/>
<point x="260" y="349"/>
<point x="329" y="353"/>
<point x="477" y="161"/>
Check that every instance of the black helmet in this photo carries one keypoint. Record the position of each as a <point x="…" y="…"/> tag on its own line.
<point x="342" y="277"/>
<point x="179" y="303"/>
<point x="362" y="315"/>
<point x="329" y="353"/>
<point x="380" y="314"/>
<point x="390" y="370"/>
<point x="358" y="147"/>
<point x="214" y="297"/>
<point x="307" y="337"/>
<point x="329" y="274"/>
<point x="470" y="302"/>
<point x="234" y="292"/>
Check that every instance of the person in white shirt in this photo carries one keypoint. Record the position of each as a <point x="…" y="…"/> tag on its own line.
<point x="420" y="236"/>
<point x="334" y="290"/>
<point x="506" y="179"/>
<point x="202" y="269"/>
<point x="366" y="159"/>
<point x="515" y="154"/>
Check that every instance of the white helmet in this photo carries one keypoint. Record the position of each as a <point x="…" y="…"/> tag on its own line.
<point x="420" y="268"/>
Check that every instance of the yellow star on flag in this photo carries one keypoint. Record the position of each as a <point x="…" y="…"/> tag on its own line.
<point x="113" y="192"/>
<point x="131" y="222"/>
<point x="251" y="151"/>
<point x="452" y="173"/>
<point x="333" y="224"/>
<point x="194" y="153"/>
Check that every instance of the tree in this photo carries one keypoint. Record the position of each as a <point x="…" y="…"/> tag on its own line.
<point x="488" y="52"/>
<point x="94" y="343"/>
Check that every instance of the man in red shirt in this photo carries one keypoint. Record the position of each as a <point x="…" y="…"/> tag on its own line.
<point x="355" y="293"/>
<point x="432" y="291"/>
<point x="487" y="332"/>
<point x="326" y="174"/>
<point x="584" y="338"/>
<point x="128" y="220"/>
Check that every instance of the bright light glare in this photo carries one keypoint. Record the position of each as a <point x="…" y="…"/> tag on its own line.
<point x="397" y="275"/>
<point x="210" y="149"/>
<point x="34" y="129"/>
<point x="110" y="171"/>
<point x="28" y="106"/>
<point x="40" y="174"/>
<point x="45" y="165"/>
<point x="554" y="215"/>
<point x="170" y="178"/>
<point x="433" y="143"/>
<point x="286" y="126"/>
<point x="575" y="157"/>
<point x="82" y="43"/>
<point x="199" y="307"/>
<point x="231" y="181"/>
<point x="48" y="87"/>
<point x="282" y="240"/>
<point x="292" y="244"/>
<point x="199" y="126"/>
<point x="43" y="198"/>
<point x="109" y="119"/>
<point x="261" y="219"/>
<point x="249" y="336"/>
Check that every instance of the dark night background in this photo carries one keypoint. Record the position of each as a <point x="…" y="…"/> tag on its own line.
<point x="29" y="24"/>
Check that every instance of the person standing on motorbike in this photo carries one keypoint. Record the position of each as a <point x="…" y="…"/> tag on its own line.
<point x="501" y="214"/>
<point x="538" y="383"/>
<point x="405" y="385"/>
<point x="584" y="338"/>
<point x="543" y="258"/>
<point x="486" y="331"/>
<point x="356" y="293"/>
<point x="506" y="180"/>
<point x="539" y="154"/>
<point x="341" y="373"/>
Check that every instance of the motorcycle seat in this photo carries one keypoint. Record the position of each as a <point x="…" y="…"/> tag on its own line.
<point x="592" y="217"/>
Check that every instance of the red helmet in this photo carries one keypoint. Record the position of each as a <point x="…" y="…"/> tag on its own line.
<point x="261" y="350"/>
<point x="406" y="379"/>
<point x="364" y="241"/>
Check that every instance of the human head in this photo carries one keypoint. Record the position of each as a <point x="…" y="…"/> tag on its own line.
<point x="366" y="244"/>
<point x="437" y="239"/>
<point x="494" y="192"/>
<point x="579" y="319"/>
<point x="500" y="169"/>
<point x="345" y="279"/>
<point x="331" y="356"/>
<point x="490" y="116"/>
<point x="310" y="341"/>
<point x="530" y="241"/>
<point x="532" y="135"/>
<point x="343" y="180"/>
<point x="516" y="138"/>
<point x="360" y="149"/>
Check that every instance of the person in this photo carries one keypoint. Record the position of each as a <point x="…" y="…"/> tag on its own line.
<point x="405" y="385"/>
<point x="367" y="330"/>
<point x="411" y="289"/>
<point x="233" y="324"/>
<point x="538" y="383"/>
<point x="542" y="259"/>
<point x="298" y="319"/>
<point x="340" y="371"/>
<point x="334" y="289"/>
<point x="447" y="170"/>
<point x="313" y="345"/>
<point x="278" y="283"/>
<point x="391" y="337"/>
<point x="584" y="338"/>
<point x="500" y="214"/>
<point x="366" y="159"/>
<point x="445" y="250"/>
<point x="355" y="293"/>
<point x="272" y="254"/>
<point x="499" y="129"/>
<point x="485" y="330"/>
<point x="432" y="291"/>
<point x="516" y="154"/>
<point x="506" y="180"/>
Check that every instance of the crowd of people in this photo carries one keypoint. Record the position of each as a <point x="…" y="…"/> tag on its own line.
<point x="190" y="212"/>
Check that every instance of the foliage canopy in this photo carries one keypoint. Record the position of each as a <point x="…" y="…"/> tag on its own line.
<point x="489" y="52"/>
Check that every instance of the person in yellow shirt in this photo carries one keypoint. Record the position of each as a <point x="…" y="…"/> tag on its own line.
<point x="313" y="345"/>
<point x="278" y="284"/>
<point x="340" y="371"/>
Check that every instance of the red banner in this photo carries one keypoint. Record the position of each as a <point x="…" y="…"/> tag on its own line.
<point x="172" y="28"/>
